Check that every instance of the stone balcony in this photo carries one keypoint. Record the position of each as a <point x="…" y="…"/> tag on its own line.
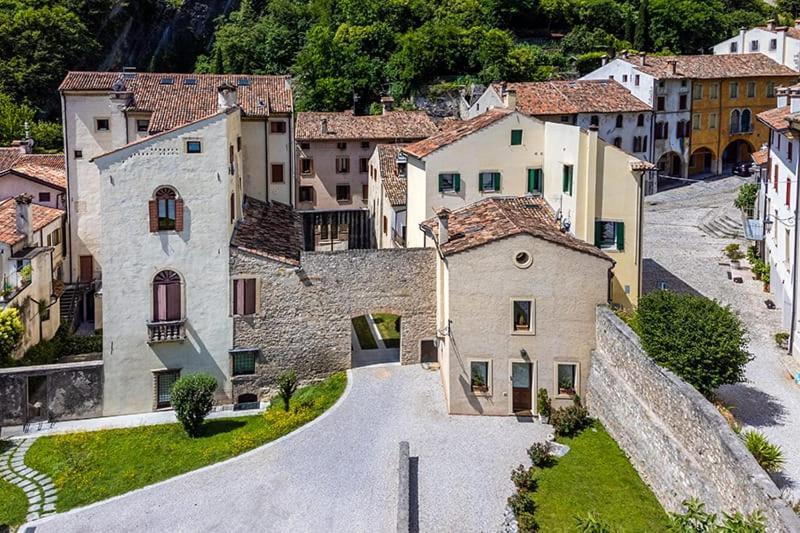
<point x="167" y="331"/>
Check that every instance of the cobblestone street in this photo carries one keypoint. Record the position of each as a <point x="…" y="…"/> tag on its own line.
<point x="679" y="255"/>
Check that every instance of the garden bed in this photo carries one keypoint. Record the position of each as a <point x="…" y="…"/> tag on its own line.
<point x="93" y="466"/>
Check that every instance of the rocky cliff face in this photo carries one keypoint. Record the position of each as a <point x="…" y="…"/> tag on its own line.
<point x="158" y="35"/>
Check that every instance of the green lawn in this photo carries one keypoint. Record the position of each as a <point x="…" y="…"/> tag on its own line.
<point x="596" y="476"/>
<point x="389" y="328"/>
<point x="93" y="466"/>
<point x="13" y="503"/>
<point x="365" y="338"/>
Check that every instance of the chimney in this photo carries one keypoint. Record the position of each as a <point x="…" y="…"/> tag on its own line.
<point x="510" y="99"/>
<point x="387" y="102"/>
<point x="643" y="58"/>
<point x="443" y="214"/>
<point x="624" y="54"/>
<point x="604" y="60"/>
<point x="226" y="96"/>
<point x="673" y="66"/>
<point x="771" y="24"/>
<point x="323" y="126"/>
<point x="25" y="217"/>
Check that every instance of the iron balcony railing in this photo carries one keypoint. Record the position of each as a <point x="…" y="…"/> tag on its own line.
<point x="167" y="331"/>
<point x="753" y="226"/>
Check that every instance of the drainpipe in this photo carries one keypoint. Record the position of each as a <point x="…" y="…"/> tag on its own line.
<point x="67" y="203"/>
<point x="794" y="267"/>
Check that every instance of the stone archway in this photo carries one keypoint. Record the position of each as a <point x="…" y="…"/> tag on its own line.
<point x="737" y="151"/>
<point x="702" y="161"/>
<point x="670" y="164"/>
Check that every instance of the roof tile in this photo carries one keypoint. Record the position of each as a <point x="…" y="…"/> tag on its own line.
<point x="393" y="125"/>
<point x="42" y="216"/>
<point x="712" y="66"/>
<point x="270" y="229"/>
<point x="455" y="133"/>
<point x="393" y="184"/>
<point x="570" y="97"/>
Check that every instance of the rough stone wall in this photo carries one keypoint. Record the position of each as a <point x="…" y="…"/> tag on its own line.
<point x="303" y="321"/>
<point x="676" y="439"/>
<point x="74" y="391"/>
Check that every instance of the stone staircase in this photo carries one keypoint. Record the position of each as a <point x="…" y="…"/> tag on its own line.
<point x="723" y="224"/>
<point x="70" y="299"/>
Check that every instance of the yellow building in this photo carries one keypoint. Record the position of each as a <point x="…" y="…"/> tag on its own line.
<point x="727" y="94"/>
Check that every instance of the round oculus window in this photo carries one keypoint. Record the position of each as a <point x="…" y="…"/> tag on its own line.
<point x="523" y="259"/>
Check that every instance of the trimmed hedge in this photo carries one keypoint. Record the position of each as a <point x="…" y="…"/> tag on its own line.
<point x="61" y="345"/>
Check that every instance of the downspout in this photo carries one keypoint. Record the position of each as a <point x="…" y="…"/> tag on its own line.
<point x="719" y="129"/>
<point x="67" y="203"/>
<point x="266" y="162"/>
<point x="794" y="265"/>
<point x="292" y="162"/>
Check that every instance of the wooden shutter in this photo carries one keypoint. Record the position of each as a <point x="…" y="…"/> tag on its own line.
<point x="441" y="183"/>
<point x="480" y="181"/>
<point x="238" y="297"/>
<point x="598" y="233"/>
<point x="249" y="296"/>
<point x="173" y="301"/>
<point x="178" y="214"/>
<point x="496" y="180"/>
<point x="620" y="229"/>
<point x="457" y="182"/>
<point x="153" y="209"/>
<point x="788" y="191"/>
<point x="565" y="179"/>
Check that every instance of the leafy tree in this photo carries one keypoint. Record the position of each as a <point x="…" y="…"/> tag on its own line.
<point x="695" y="337"/>
<point x="11" y="331"/>
<point x="609" y="15"/>
<point x="287" y="386"/>
<point x="13" y="117"/>
<point x="687" y="26"/>
<point x="192" y="397"/>
<point x="641" y="39"/>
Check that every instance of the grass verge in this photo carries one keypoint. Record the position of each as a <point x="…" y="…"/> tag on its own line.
<point x="13" y="503"/>
<point x="389" y="328"/>
<point x="596" y="476"/>
<point x="93" y="466"/>
<point x="365" y="338"/>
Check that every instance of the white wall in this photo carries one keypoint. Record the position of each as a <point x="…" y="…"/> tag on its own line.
<point x="608" y="131"/>
<point x="486" y="101"/>
<point x="625" y="73"/>
<point x="280" y="150"/>
<point x="786" y="51"/>
<point x="12" y="185"/>
<point x="199" y="254"/>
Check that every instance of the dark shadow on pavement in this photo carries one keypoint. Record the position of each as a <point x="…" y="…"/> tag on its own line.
<point x="782" y="481"/>
<point x="656" y="277"/>
<point x="751" y="406"/>
<point x="413" y="494"/>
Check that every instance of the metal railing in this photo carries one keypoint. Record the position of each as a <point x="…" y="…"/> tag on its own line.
<point x="167" y="331"/>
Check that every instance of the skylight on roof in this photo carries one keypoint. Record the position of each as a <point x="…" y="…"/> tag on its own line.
<point x="243" y="82"/>
<point x="190" y="81"/>
<point x="167" y="81"/>
<point x="128" y="75"/>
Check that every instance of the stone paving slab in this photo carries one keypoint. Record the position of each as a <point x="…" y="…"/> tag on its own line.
<point x="29" y="480"/>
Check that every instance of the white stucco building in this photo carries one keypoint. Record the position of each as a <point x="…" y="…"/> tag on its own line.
<point x="781" y="43"/>
<point x="40" y="175"/>
<point x="594" y="187"/>
<point x="387" y="196"/>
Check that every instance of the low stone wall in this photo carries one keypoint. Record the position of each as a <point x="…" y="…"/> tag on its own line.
<point x="74" y="390"/>
<point x="676" y="439"/>
<point x="304" y="320"/>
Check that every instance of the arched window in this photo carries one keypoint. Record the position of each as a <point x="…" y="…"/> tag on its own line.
<point x="167" y="297"/>
<point x="619" y="121"/>
<point x="735" y="121"/>
<point x="640" y="120"/>
<point x="746" y="125"/>
<point x="166" y="211"/>
<point x="618" y="142"/>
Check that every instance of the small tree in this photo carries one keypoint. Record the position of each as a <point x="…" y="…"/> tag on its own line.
<point x="11" y="330"/>
<point x="543" y="405"/>
<point x="192" y="397"/>
<point x="697" y="338"/>
<point x="287" y="385"/>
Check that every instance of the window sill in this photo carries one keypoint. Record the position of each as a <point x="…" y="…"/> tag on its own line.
<point x="487" y="394"/>
<point x="522" y="332"/>
<point x="487" y="191"/>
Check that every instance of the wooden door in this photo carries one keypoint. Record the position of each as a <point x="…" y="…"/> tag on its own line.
<point x="87" y="269"/>
<point x="521" y="381"/>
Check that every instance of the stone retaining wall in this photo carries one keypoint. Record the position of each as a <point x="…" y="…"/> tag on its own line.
<point x="676" y="439"/>
<point x="74" y="391"/>
<point x="304" y="319"/>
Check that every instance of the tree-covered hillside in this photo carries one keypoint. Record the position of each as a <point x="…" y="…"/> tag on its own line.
<point x="341" y="51"/>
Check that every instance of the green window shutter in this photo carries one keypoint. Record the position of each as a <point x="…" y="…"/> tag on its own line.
<point x="598" y="233"/>
<point x="531" y="180"/>
<point x="441" y="183"/>
<point x="516" y="137"/>
<point x="620" y="227"/>
<point x="457" y="182"/>
<point x="480" y="181"/>
<point x="565" y="186"/>
<point x="496" y="179"/>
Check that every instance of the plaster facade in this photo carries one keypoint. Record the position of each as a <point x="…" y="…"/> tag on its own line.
<point x="12" y="184"/>
<point x="388" y="221"/>
<point x="770" y="40"/>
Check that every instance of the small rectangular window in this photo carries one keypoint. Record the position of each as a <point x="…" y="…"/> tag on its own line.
<point x="773" y="44"/>
<point x="565" y="119"/>
<point x="660" y="103"/>
<point x="78" y="154"/>
<point x="516" y="137"/>
<point x="164" y="383"/>
<point x="244" y="296"/>
<point x="244" y="362"/>
<point x="489" y="181"/>
<point x="479" y="379"/>
<point x="306" y="165"/>
<point x="697" y="91"/>
<point x="363" y="164"/>
<point x="636" y="80"/>
<point x="449" y="182"/>
<point x="696" y="121"/>
<point x="277" y="127"/>
<point x="364" y="192"/>
<point x="789" y="151"/>
<point x="625" y="78"/>
<point x="535" y="180"/>
<point x="734" y="47"/>
<point x="44" y="196"/>
<point x="365" y="144"/>
<point x="734" y="89"/>
<point x="101" y="124"/>
<point x="343" y="193"/>
<point x="713" y="91"/>
<point x="682" y="102"/>
<point x="567" y="379"/>
<point x="712" y="121"/>
<point x="751" y="89"/>
<point x="277" y="173"/>
<point x="306" y="194"/>
<point x="522" y="315"/>
<point x="567" y="179"/>
<point x="754" y="46"/>
<point x="142" y="125"/>
<point x="770" y="89"/>
<point x="341" y="146"/>
<point x="194" y="147"/>
<point x="609" y="235"/>
<point x="342" y="164"/>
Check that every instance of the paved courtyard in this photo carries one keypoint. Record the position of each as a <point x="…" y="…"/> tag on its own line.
<point x="340" y="472"/>
<point x="679" y="254"/>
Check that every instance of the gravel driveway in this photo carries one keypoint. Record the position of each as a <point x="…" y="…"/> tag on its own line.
<point x="679" y="254"/>
<point x="340" y="473"/>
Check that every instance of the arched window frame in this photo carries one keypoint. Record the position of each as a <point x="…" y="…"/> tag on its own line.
<point x="735" y="121"/>
<point x="640" y="120"/>
<point x="746" y="121"/>
<point x="619" y="121"/>
<point x="166" y="210"/>
<point x="168" y="296"/>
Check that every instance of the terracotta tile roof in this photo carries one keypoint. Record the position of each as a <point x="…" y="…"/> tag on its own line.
<point x="48" y="168"/>
<point x="42" y="216"/>
<point x="456" y="133"/>
<point x="393" y="184"/>
<point x="777" y="119"/>
<point x="761" y="156"/>
<point x="271" y="230"/>
<point x="177" y="103"/>
<point x="8" y="156"/>
<point x="570" y="97"/>
<point x="496" y="218"/>
<point x="391" y="126"/>
<point x="712" y="66"/>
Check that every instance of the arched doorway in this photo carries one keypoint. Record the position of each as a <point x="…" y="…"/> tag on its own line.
<point x="737" y="151"/>
<point x="701" y="162"/>
<point x="669" y="164"/>
<point x="375" y="339"/>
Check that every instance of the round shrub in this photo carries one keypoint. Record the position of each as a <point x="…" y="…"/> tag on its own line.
<point x="192" y="397"/>
<point x="540" y="454"/>
<point x="697" y="338"/>
<point x="11" y="331"/>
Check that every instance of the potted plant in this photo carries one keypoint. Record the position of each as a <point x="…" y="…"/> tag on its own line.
<point x="543" y="406"/>
<point x="765" y="279"/>
<point x="565" y="386"/>
<point x="782" y="340"/>
<point x="734" y="254"/>
<point x="478" y="383"/>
